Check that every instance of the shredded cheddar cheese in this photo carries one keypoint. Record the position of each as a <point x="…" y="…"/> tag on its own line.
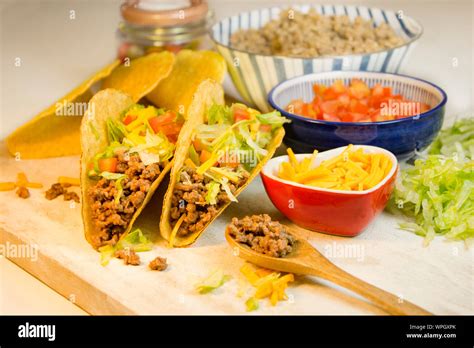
<point x="351" y="170"/>
<point x="267" y="284"/>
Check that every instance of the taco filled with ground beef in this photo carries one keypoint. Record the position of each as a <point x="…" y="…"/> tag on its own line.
<point x="127" y="149"/>
<point x="220" y="158"/>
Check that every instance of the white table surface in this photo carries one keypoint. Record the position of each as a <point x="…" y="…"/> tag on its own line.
<point x="57" y="53"/>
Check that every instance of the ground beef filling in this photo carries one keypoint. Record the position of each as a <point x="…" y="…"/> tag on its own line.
<point x="262" y="234"/>
<point x="23" y="192"/>
<point x="58" y="189"/>
<point x="54" y="191"/>
<point x="189" y="198"/>
<point x="71" y="196"/>
<point x="111" y="218"/>
<point x="158" y="264"/>
<point x="128" y="256"/>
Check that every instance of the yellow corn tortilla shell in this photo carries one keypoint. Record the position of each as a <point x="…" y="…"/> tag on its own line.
<point x="191" y="68"/>
<point x="48" y="135"/>
<point x="106" y="104"/>
<point x="180" y="156"/>
<point x="142" y="75"/>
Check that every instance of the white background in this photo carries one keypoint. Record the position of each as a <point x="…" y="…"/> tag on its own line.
<point x="57" y="53"/>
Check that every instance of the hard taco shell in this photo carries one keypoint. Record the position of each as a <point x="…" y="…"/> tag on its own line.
<point x="106" y="104"/>
<point x="49" y="135"/>
<point x="190" y="69"/>
<point x="180" y="156"/>
<point x="52" y="135"/>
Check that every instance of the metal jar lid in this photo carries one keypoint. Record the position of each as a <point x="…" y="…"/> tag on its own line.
<point x="148" y="13"/>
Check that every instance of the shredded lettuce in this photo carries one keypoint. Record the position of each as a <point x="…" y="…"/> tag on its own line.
<point x="219" y="114"/>
<point x="225" y="186"/>
<point x="213" y="189"/>
<point x="214" y="281"/>
<point x="251" y="304"/>
<point x="112" y="176"/>
<point x="94" y="131"/>
<point x="438" y="192"/>
<point x="135" y="241"/>
<point x="458" y="139"/>
<point x="155" y="149"/>
<point x="263" y="139"/>
<point x="118" y="186"/>
<point x="106" y="254"/>
<point x="243" y="130"/>
<point x="193" y="155"/>
<point x="272" y="118"/>
<point x="115" y="130"/>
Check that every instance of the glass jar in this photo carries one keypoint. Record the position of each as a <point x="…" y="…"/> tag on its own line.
<point x="154" y="26"/>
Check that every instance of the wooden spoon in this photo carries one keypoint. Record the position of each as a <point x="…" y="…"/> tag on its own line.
<point x="306" y="260"/>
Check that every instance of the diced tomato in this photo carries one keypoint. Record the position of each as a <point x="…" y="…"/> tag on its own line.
<point x="129" y="119"/>
<point x="108" y="164"/>
<point x="344" y="99"/>
<point x="358" y="107"/>
<point x="359" y="89"/>
<point x="356" y="103"/>
<point x="198" y="146"/>
<point x="170" y="129"/>
<point x="155" y="124"/>
<point x="157" y="121"/>
<point x="265" y="128"/>
<point x="331" y="118"/>
<point x="424" y="107"/>
<point x="240" y="114"/>
<point x="319" y="89"/>
<point x="338" y="87"/>
<point x="378" y="91"/>
<point x="165" y="124"/>
<point x="173" y="138"/>
<point x="356" y="117"/>
<point x="330" y="107"/>
<point x="387" y="92"/>
<point x="376" y="116"/>
<point x="204" y="156"/>
<point x="296" y="107"/>
<point x="308" y="110"/>
<point x="330" y="94"/>
<point x="345" y="116"/>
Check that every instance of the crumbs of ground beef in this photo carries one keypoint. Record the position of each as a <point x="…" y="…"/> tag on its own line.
<point x="128" y="256"/>
<point x="111" y="218"/>
<point x="58" y="189"/>
<point x="189" y="198"/>
<point x="71" y="196"/>
<point x="23" y="192"/>
<point x="158" y="264"/>
<point x="54" y="191"/>
<point x="262" y="234"/>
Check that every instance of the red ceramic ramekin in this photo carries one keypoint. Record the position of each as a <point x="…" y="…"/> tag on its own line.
<point x="343" y="213"/>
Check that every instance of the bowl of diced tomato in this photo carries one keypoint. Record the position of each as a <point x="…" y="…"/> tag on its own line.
<point x="399" y="113"/>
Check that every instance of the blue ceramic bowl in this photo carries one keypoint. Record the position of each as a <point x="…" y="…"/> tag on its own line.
<point x="402" y="137"/>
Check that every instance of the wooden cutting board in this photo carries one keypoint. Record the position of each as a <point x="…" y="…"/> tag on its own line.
<point x="438" y="278"/>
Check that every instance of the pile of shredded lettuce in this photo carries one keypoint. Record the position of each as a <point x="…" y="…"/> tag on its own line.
<point x="458" y="139"/>
<point x="438" y="191"/>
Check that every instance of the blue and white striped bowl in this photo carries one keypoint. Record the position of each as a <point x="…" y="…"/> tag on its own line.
<point x="255" y="75"/>
<point x="403" y="137"/>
